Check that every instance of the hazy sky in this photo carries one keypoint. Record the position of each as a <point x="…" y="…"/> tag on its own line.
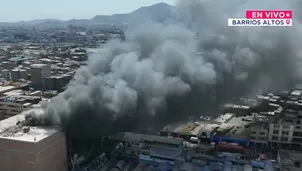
<point x="16" y="10"/>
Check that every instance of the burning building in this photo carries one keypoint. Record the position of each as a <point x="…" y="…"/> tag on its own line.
<point x="31" y="148"/>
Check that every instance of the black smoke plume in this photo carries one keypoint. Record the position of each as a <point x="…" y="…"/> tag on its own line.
<point x="163" y="74"/>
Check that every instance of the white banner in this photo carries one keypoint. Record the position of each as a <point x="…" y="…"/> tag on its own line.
<point x="243" y="22"/>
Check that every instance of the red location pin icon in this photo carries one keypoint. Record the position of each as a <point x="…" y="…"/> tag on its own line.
<point x="287" y="21"/>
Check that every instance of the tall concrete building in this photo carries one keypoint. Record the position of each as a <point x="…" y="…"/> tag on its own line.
<point x="38" y="73"/>
<point x="5" y="74"/>
<point x="15" y="75"/>
<point x="31" y="148"/>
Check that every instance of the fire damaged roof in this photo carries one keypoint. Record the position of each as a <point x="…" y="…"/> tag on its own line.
<point x="11" y="128"/>
<point x="131" y="137"/>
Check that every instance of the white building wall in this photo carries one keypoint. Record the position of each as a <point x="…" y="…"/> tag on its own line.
<point x="280" y="133"/>
<point x="259" y="134"/>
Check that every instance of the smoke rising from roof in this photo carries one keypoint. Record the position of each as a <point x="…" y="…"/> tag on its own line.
<point x="163" y="74"/>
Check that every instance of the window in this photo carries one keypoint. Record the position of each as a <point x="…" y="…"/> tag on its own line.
<point x="285" y="132"/>
<point x="297" y="140"/>
<point x="274" y="138"/>
<point x="287" y="120"/>
<point x="275" y="132"/>
<point x="297" y="134"/>
<point x="284" y="139"/>
<point x="262" y="133"/>
<point x="254" y="132"/>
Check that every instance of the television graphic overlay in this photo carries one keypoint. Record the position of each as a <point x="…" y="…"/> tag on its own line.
<point x="268" y="18"/>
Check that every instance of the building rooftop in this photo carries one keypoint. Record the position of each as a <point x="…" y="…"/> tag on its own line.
<point x="210" y="127"/>
<point x="177" y="128"/>
<point x="133" y="137"/>
<point x="197" y="130"/>
<point x="18" y="58"/>
<point x="225" y="127"/>
<point x="296" y="93"/>
<point x="236" y="106"/>
<point x="14" y="93"/>
<point x="10" y="130"/>
<point x="17" y="99"/>
<point x="37" y="65"/>
<point x="6" y="88"/>
<point x="224" y="118"/>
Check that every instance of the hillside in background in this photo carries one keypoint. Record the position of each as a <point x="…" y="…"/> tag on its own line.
<point x="160" y="12"/>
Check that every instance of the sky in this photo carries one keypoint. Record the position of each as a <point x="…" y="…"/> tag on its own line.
<point x="24" y="10"/>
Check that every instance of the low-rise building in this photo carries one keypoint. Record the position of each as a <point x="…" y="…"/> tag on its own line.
<point x="13" y="105"/>
<point x="259" y="134"/>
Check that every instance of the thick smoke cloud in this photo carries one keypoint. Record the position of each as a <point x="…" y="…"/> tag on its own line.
<point x="163" y="74"/>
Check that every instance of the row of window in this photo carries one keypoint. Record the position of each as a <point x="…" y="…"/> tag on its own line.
<point x="297" y="140"/>
<point x="297" y="134"/>
<point x="277" y="138"/>
<point x="261" y="133"/>
<point x="258" y="138"/>
<point x="283" y="132"/>
<point x="274" y="132"/>
<point x="284" y="126"/>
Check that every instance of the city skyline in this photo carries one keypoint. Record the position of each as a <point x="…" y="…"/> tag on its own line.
<point x="15" y="10"/>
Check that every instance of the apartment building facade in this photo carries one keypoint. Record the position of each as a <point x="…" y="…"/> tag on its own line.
<point x="287" y="132"/>
<point x="259" y="134"/>
<point x="297" y="135"/>
<point x="280" y="135"/>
